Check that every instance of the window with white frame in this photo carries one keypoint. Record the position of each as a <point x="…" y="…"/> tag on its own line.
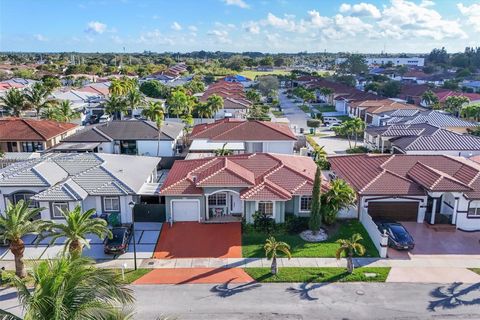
<point x="58" y="208"/>
<point x="217" y="199"/>
<point x="266" y="208"/>
<point x="305" y="203"/>
<point x="474" y="209"/>
<point x="111" y="204"/>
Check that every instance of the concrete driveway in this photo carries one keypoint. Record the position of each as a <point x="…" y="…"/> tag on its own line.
<point x="146" y="235"/>
<point x="334" y="145"/>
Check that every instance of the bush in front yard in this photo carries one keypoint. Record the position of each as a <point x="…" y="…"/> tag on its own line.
<point x="294" y="224"/>
<point x="263" y="223"/>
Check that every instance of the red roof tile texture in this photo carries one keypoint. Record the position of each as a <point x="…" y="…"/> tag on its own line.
<point x="21" y="129"/>
<point x="263" y="176"/>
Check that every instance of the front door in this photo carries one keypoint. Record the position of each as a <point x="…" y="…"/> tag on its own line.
<point x="235" y="203"/>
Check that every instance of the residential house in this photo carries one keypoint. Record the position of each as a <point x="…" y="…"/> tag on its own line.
<point x="233" y="187"/>
<point x="241" y="136"/>
<point x="412" y="93"/>
<point x="395" y="61"/>
<point x="134" y="137"/>
<point x="436" y="118"/>
<point x="57" y="182"/>
<point x="235" y="103"/>
<point x="373" y="111"/>
<point x="444" y="94"/>
<point x="422" y="138"/>
<point x="437" y="189"/>
<point x="473" y="85"/>
<point x="30" y="135"/>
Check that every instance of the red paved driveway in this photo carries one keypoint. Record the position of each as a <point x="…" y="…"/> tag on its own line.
<point x="197" y="240"/>
<point x="194" y="275"/>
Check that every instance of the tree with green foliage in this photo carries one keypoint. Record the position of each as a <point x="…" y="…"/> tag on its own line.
<point x="471" y="112"/>
<point x="267" y="84"/>
<point x="178" y="103"/>
<point x="13" y="102"/>
<point x="215" y="103"/>
<point x="455" y="103"/>
<point x="353" y="64"/>
<point x="349" y="247"/>
<point x="195" y="86"/>
<point x="72" y="288"/>
<point x="340" y="195"/>
<point x="451" y="85"/>
<point x="272" y="249"/>
<point x="17" y="221"/>
<point x="327" y="93"/>
<point x="134" y="99"/>
<point x="51" y="82"/>
<point x="351" y="129"/>
<point x="116" y="106"/>
<point x="429" y="98"/>
<point x="315" y="221"/>
<point x="37" y="98"/>
<point x="390" y="89"/>
<point x="253" y="96"/>
<point x="75" y="228"/>
<point x="156" y="113"/>
<point x="61" y="112"/>
<point x="155" y="89"/>
<point x="223" y="151"/>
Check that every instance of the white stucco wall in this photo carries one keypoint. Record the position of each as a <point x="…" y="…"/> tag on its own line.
<point x="284" y="147"/>
<point x="105" y="147"/>
<point x="149" y="148"/>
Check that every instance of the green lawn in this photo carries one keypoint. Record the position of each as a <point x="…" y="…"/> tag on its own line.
<point x="305" y="108"/>
<point x="332" y="274"/>
<point x="253" y="73"/>
<point x="325" y="108"/>
<point x="278" y="114"/>
<point x="476" y="270"/>
<point x="253" y="241"/>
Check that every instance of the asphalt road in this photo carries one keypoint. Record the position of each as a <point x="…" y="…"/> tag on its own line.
<point x="299" y="301"/>
<point x="297" y="118"/>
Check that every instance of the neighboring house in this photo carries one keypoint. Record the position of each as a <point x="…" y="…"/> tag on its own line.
<point x="437" y="189"/>
<point x="235" y="103"/>
<point x="59" y="182"/>
<point x="412" y="93"/>
<point x="472" y="85"/>
<point x="396" y="61"/>
<point x="436" y="118"/>
<point x="242" y="136"/>
<point x="134" y="137"/>
<point x="420" y="138"/>
<point x="80" y="100"/>
<point x="373" y="111"/>
<point x="444" y="94"/>
<point x="30" y="135"/>
<point x="225" y="188"/>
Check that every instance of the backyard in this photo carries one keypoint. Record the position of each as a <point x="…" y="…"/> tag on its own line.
<point x="253" y="241"/>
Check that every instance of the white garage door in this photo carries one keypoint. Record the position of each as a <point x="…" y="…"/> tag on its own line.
<point x="185" y="210"/>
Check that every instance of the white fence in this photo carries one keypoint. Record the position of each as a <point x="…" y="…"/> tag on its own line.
<point x="379" y="240"/>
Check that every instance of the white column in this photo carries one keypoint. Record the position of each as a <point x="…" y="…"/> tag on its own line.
<point x="206" y="207"/>
<point x="434" y="210"/>
<point x="455" y="209"/>
<point x="383" y="144"/>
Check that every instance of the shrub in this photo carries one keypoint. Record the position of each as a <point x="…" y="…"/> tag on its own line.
<point x="357" y="150"/>
<point x="313" y="123"/>
<point x="263" y="223"/>
<point x="294" y="224"/>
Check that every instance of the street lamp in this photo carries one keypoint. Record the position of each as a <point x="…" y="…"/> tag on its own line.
<point x="131" y="204"/>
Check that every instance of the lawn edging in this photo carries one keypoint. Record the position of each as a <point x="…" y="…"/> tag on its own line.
<point x="319" y="274"/>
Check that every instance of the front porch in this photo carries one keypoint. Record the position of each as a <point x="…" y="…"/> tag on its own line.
<point x="442" y="209"/>
<point x="223" y="206"/>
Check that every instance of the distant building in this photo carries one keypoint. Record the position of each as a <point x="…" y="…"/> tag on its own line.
<point x="396" y="61"/>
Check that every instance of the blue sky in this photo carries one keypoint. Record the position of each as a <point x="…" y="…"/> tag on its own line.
<point x="238" y="25"/>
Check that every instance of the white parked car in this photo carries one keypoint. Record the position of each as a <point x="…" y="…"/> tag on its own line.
<point x="104" y="118"/>
<point x="333" y="125"/>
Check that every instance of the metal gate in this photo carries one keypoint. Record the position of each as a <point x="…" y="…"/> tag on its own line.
<point x="150" y="213"/>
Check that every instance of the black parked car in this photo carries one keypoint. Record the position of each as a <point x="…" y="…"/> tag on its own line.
<point x="120" y="240"/>
<point x="398" y="236"/>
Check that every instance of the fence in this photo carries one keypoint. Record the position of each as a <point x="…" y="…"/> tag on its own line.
<point x="150" y="213"/>
<point x="379" y="240"/>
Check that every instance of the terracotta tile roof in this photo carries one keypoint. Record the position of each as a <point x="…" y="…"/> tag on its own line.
<point x="22" y="129"/>
<point x="443" y="95"/>
<point x="243" y="130"/>
<point x="264" y="176"/>
<point x="408" y="174"/>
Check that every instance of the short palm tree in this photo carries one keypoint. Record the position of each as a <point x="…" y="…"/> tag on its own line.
<point x="13" y="102"/>
<point x="37" y="98"/>
<point x="155" y="112"/>
<point x="349" y="247"/>
<point x="18" y="221"/>
<point x="215" y="103"/>
<point x="133" y="99"/>
<point x="272" y="249"/>
<point x="77" y="226"/>
<point x="340" y="195"/>
<point x="63" y="112"/>
<point x="115" y="106"/>
<point x="72" y="288"/>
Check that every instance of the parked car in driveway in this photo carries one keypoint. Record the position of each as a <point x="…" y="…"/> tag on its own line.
<point x="334" y="125"/>
<point x="398" y="236"/>
<point x="118" y="244"/>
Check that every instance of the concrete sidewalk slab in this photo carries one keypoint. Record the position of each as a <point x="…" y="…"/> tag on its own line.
<point x="432" y="275"/>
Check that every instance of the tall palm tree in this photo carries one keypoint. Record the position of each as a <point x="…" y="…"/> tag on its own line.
<point x="64" y="113"/>
<point x="118" y="87"/>
<point x="327" y="92"/>
<point x="204" y="110"/>
<point x="18" y="221"/>
<point x="133" y="99"/>
<point x="178" y="103"/>
<point x="272" y="249"/>
<point x="215" y="103"/>
<point x="349" y="247"/>
<point x="116" y="106"/>
<point x="72" y="288"/>
<point x="155" y="112"/>
<point x="77" y="226"/>
<point x="13" y="102"/>
<point x="37" y="98"/>
<point x="455" y="103"/>
<point x="429" y="98"/>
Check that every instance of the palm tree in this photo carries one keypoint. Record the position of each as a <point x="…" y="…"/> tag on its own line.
<point x="178" y="103"/>
<point x="429" y="98"/>
<point x="72" y="288"/>
<point x="340" y="195"/>
<point x="116" y="106"/>
<point x="215" y="103"/>
<point x="326" y="92"/>
<point x="272" y="249"/>
<point x="454" y="104"/>
<point x="155" y="112"/>
<point x="203" y="111"/>
<point x="471" y="112"/>
<point x="63" y="112"/>
<point x="13" y="102"/>
<point x="133" y="99"/>
<point x="76" y="227"/>
<point x="223" y="151"/>
<point x="18" y="221"/>
<point x="37" y="98"/>
<point x="349" y="247"/>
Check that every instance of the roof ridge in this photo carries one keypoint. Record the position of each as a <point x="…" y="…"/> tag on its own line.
<point x="441" y="174"/>
<point x="373" y="180"/>
<point x="100" y="132"/>
<point x="27" y="122"/>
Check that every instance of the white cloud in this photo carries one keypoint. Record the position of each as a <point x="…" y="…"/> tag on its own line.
<point x="193" y="28"/>
<point x="287" y="23"/>
<point x="361" y="9"/>
<point x="239" y="3"/>
<point x="472" y="13"/>
<point x="317" y="20"/>
<point x="252" y="27"/>
<point x="40" y="37"/>
<point x="220" y="35"/>
<point x="176" y="26"/>
<point x="96" y="27"/>
<point x="224" y="25"/>
<point x="155" y="37"/>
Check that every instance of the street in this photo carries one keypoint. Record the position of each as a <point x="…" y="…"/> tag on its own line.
<point x="299" y="301"/>
<point x="297" y="118"/>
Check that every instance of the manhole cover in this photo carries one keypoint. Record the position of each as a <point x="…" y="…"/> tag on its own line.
<point x="360" y="292"/>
